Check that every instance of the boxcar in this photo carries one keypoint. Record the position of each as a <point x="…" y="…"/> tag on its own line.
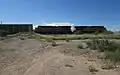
<point x="90" y="29"/>
<point x="16" y="28"/>
<point x="53" y="29"/>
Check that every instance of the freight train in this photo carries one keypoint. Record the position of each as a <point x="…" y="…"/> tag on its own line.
<point x="16" y="28"/>
<point x="69" y="29"/>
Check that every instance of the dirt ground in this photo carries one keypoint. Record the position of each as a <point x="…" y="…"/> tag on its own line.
<point x="39" y="57"/>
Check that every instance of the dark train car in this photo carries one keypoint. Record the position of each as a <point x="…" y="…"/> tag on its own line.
<point x="16" y="28"/>
<point x="3" y="33"/>
<point x="90" y="29"/>
<point x="53" y="29"/>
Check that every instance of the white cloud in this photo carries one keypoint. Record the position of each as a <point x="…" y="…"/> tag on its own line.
<point x="16" y="23"/>
<point x="60" y="24"/>
<point x="114" y="28"/>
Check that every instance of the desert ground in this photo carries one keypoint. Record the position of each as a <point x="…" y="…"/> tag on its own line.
<point x="23" y="56"/>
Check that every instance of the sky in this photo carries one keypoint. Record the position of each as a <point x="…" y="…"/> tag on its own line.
<point x="78" y="12"/>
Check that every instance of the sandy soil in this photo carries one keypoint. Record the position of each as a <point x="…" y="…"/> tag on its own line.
<point x="16" y="55"/>
<point x="33" y="57"/>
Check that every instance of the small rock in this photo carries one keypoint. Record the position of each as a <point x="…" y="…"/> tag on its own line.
<point x="73" y="59"/>
<point x="68" y="65"/>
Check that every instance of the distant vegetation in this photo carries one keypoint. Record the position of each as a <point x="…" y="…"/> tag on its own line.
<point x="78" y="37"/>
<point x="68" y="37"/>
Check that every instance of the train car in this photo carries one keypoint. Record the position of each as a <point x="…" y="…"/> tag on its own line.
<point x="16" y="28"/>
<point x="3" y="33"/>
<point x="90" y="29"/>
<point x="53" y="29"/>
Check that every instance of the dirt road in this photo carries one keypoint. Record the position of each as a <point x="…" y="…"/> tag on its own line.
<point x="16" y="56"/>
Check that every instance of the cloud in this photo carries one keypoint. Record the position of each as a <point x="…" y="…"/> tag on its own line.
<point x="16" y="23"/>
<point x="114" y="28"/>
<point x="60" y="24"/>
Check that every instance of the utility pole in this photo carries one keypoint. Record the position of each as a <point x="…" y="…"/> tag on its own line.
<point x="1" y="22"/>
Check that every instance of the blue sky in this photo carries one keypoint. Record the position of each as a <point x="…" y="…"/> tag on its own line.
<point x="79" y="12"/>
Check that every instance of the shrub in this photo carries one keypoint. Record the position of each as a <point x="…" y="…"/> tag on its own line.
<point x="115" y="56"/>
<point x="80" y="46"/>
<point x="110" y="48"/>
<point x="54" y="44"/>
<point x="96" y="44"/>
<point x="108" y="65"/>
<point x="49" y="40"/>
<point x="102" y="45"/>
<point x="22" y="38"/>
<point x="67" y="40"/>
<point x="92" y="69"/>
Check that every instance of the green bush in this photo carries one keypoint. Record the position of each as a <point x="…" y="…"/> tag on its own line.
<point x="103" y="45"/>
<point x="97" y="44"/>
<point x="115" y="56"/>
<point x="110" y="48"/>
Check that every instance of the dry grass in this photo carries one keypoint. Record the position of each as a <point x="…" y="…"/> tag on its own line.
<point x="108" y="64"/>
<point x="74" y="52"/>
<point x="77" y="37"/>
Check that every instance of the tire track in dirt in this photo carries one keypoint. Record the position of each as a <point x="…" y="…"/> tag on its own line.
<point x="36" y="69"/>
<point x="46" y="61"/>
